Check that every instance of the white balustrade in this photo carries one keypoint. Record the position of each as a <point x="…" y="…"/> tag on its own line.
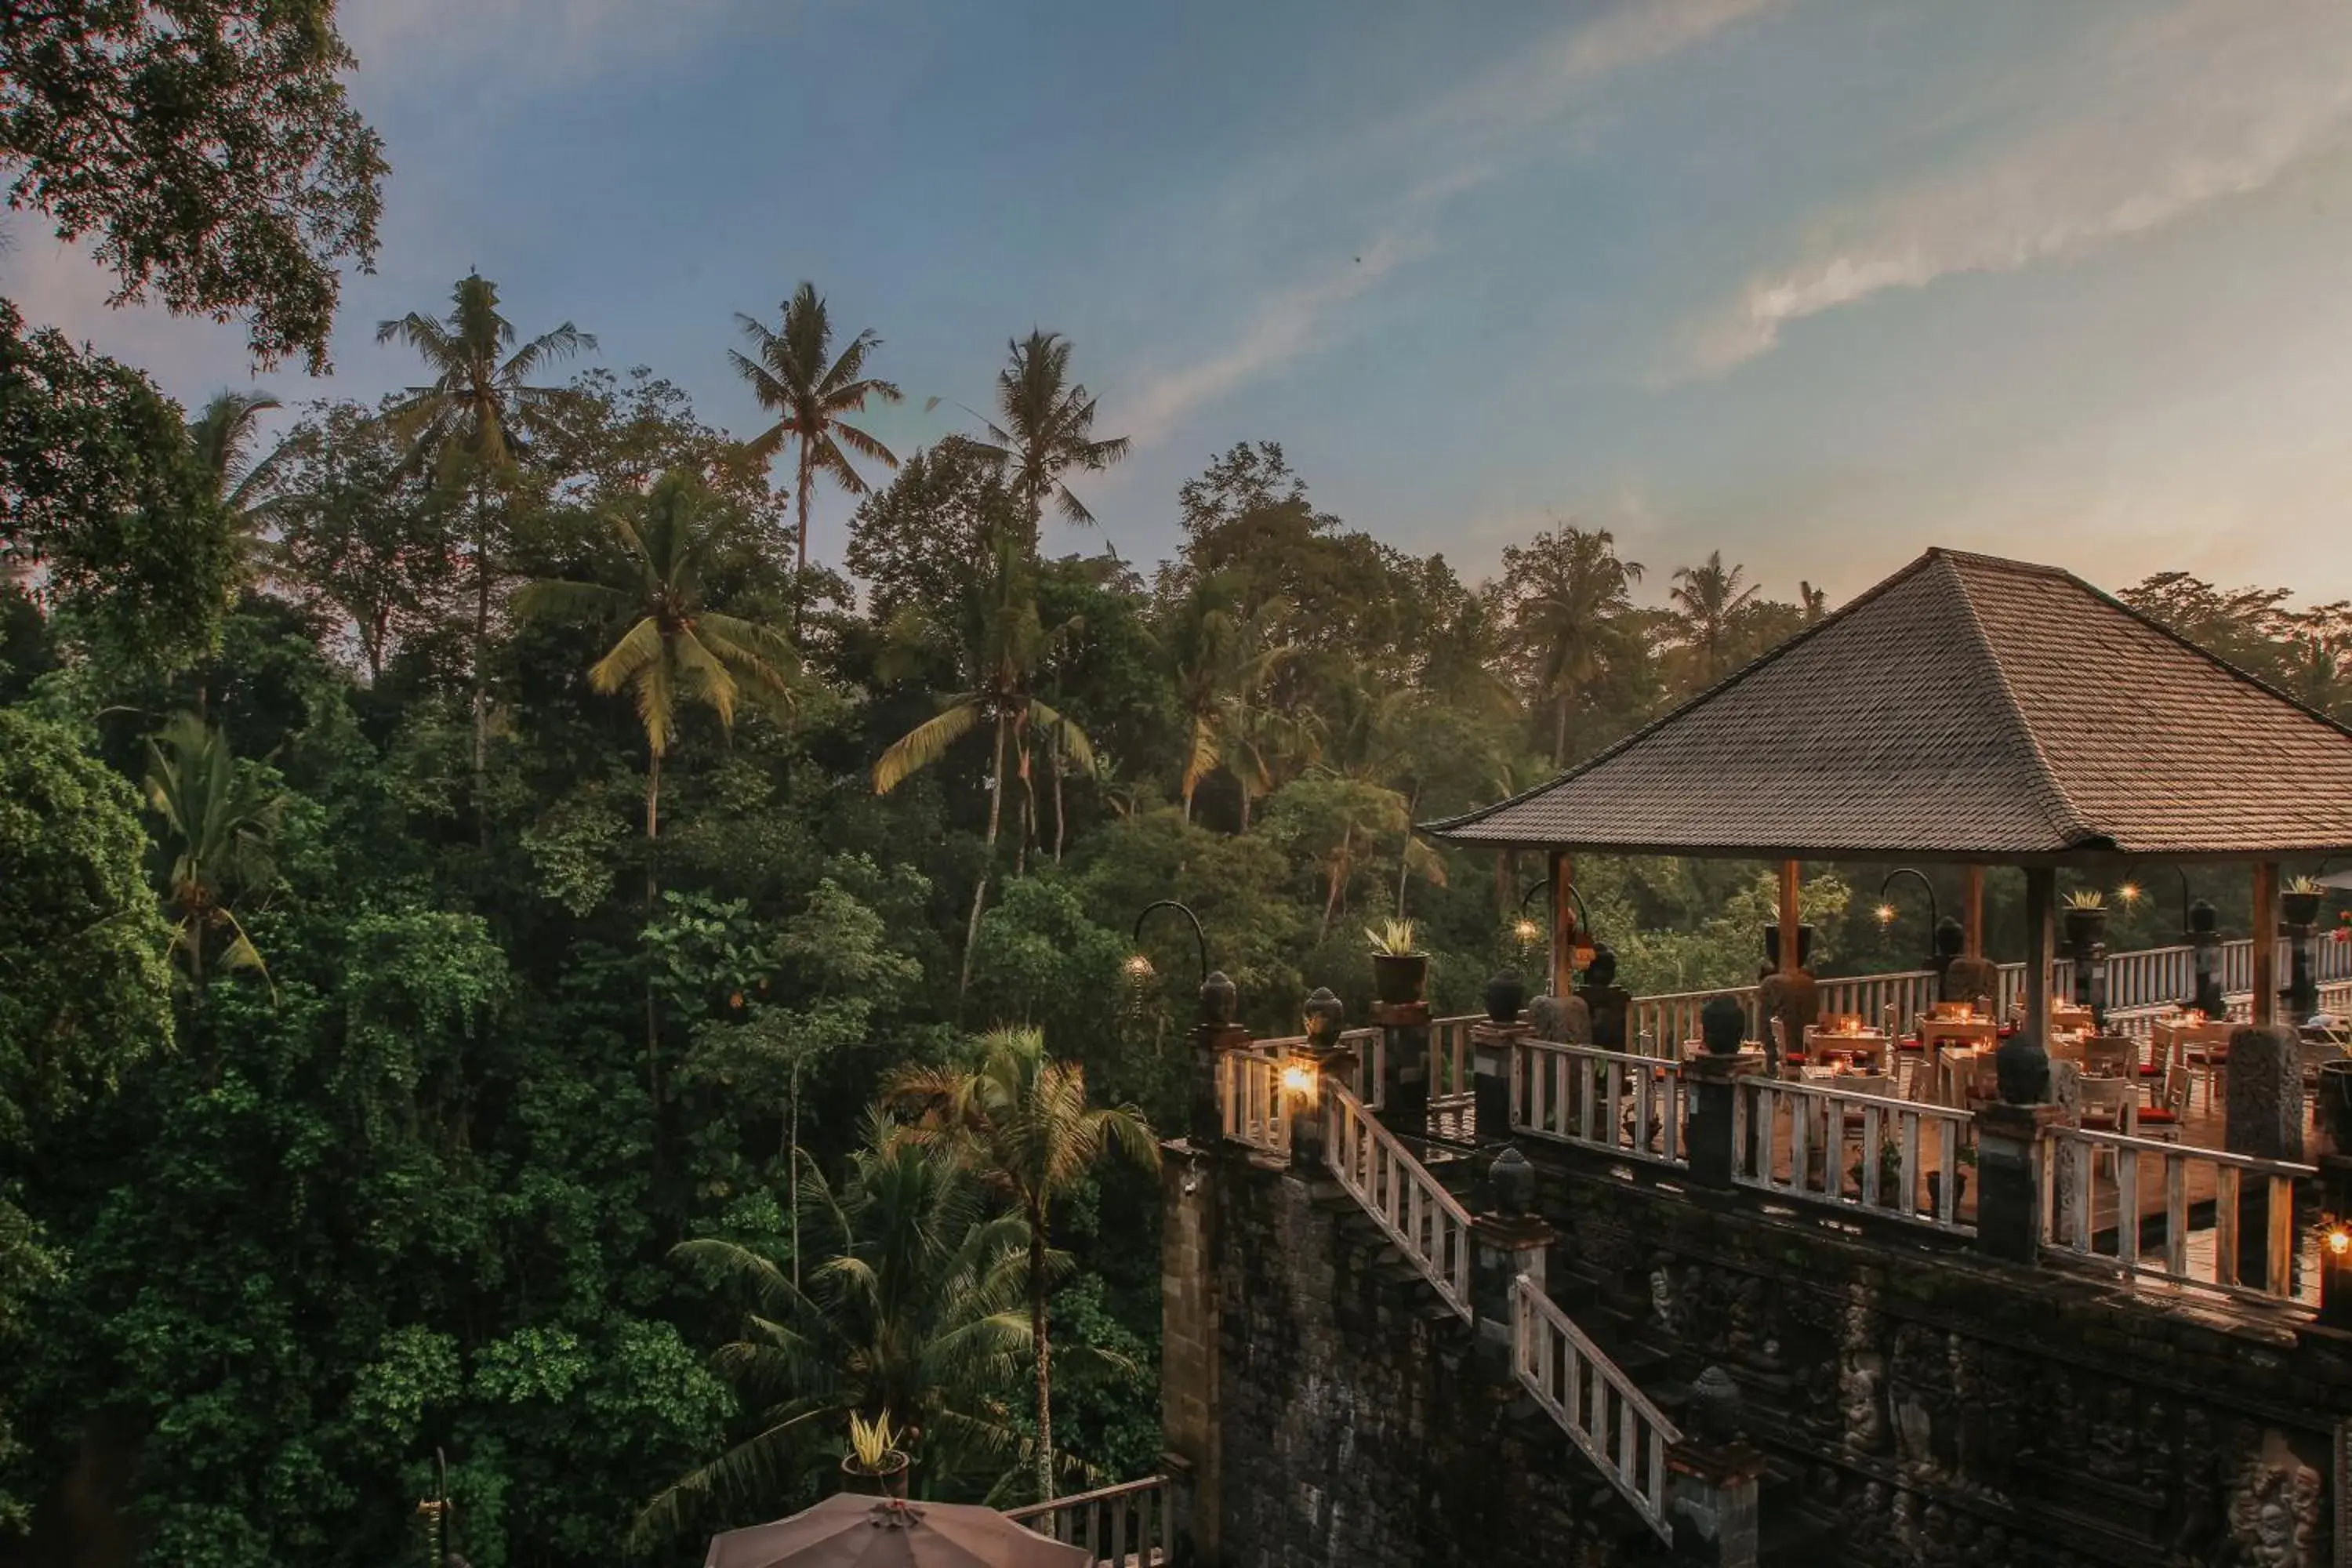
<point x="1594" y="1401"/>
<point x="1620" y="1102"/>
<point x="2096" y="1188"/>
<point x="1450" y="1068"/>
<point x="1427" y="1223"/>
<point x="1249" y="1092"/>
<point x="1795" y="1139"/>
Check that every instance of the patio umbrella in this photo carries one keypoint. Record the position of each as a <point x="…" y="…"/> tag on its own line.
<point x="846" y="1532"/>
<point x="2337" y="880"/>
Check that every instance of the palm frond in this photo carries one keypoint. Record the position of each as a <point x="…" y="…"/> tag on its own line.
<point x="924" y="745"/>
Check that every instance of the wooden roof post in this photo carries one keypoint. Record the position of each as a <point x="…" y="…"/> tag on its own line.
<point x="1563" y="924"/>
<point x="1972" y="912"/>
<point x="1789" y="871"/>
<point x="2267" y="923"/>
<point x="2040" y="948"/>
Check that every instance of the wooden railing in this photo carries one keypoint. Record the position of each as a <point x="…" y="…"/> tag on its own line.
<point x="2094" y="1209"/>
<point x="2143" y="980"/>
<point x="1427" y="1223"/>
<point x="1368" y="1070"/>
<point x="1249" y="1093"/>
<point x="1795" y="1140"/>
<point x="1118" y="1526"/>
<point x="1620" y="1102"/>
<point x="1451" y="1082"/>
<point x="1594" y="1401"/>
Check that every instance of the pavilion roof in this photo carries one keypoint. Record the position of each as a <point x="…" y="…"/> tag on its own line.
<point x="1969" y="708"/>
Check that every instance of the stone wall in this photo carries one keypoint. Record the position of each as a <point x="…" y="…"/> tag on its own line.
<point x="1355" y="1424"/>
<point x="1928" y="1407"/>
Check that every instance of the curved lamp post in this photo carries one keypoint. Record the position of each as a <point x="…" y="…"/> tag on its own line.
<point x="1219" y="998"/>
<point x="1527" y="931"/>
<point x="1887" y="910"/>
<point x="2131" y="892"/>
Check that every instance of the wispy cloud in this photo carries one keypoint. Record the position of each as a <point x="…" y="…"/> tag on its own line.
<point x="2211" y="100"/>
<point x="1458" y="141"/>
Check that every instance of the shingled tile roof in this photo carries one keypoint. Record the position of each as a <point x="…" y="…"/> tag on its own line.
<point x="1966" y="707"/>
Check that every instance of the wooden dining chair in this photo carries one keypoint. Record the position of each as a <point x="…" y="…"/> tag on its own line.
<point x="2110" y="1055"/>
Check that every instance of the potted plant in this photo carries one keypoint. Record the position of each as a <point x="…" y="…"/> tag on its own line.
<point x="2299" y="900"/>
<point x="875" y="1465"/>
<point x="1890" y="1175"/>
<point x="2086" y="919"/>
<point x="1399" y="969"/>
<point x="1804" y="944"/>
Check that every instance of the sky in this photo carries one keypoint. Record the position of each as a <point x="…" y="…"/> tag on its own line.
<point x="1817" y="283"/>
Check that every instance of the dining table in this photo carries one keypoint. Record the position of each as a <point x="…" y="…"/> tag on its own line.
<point x="2201" y="1044"/>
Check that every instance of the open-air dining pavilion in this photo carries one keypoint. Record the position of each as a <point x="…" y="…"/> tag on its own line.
<point x="1983" y="714"/>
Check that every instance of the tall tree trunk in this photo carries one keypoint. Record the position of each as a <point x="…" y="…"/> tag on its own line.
<point x="1404" y="854"/>
<point x="792" y="1167"/>
<point x="653" y="892"/>
<point x="979" y="889"/>
<point x="1339" y="880"/>
<point x="1559" y="734"/>
<point x="481" y="660"/>
<point x="1045" y="1357"/>
<point x="1057" y="781"/>
<point x="800" y="574"/>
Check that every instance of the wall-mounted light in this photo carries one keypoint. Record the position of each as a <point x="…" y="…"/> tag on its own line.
<point x="2339" y="1238"/>
<point x="1298" y="1079"/>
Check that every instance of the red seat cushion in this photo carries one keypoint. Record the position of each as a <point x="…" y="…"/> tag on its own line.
<point x="2158" y="1114"/>
<point x="1908" y="1044"/>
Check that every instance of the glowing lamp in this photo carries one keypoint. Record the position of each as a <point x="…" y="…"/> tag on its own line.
<point x="1298" y="1080"/>
<point x="2128" y="892"/>
<point x="1527" y="931"/>
<point x="1139" y="968"/>
<point x="2340" y="1239"/>
<point x="1886" y="914"/>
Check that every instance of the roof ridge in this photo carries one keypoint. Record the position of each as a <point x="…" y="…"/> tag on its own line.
<point x="1696" y="700"/>
<point x="2056" y="802"/>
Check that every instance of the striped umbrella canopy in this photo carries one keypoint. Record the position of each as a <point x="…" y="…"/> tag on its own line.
<point x="846" y="1532"/>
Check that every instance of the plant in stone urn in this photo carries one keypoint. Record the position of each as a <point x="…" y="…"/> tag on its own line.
<point x="2086" y="918"/>
<point x="875" y="1465"/>
<point x="2299" y="900"/>
<point x="1399" y="969"/>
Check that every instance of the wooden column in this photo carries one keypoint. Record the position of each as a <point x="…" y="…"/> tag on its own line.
<point x="1790" y="875"/>
<point x="2267" y="923"/>
<point x="1563" y="924"/>
<point x="1972" y="912"/>
<point x="2040" y="947"/>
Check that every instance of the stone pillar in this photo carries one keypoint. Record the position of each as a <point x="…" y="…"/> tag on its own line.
<point x="2264" y="1119"/>
<point x="2265" y="933"/>
<point x="1189" y="1356"/>
<point x="2302" y="973"/>
<point x="1404" y="1080"/>
<point x="2008" y="1179"/>
<point x="1712" y="1080"/>
<point x="1492" y="1051"/>
<point x="1205" y="1120"/>
<point x="1566" y="1019"/>
<point x="1507" y="1242"/>
<point x="1711" y="1498"/>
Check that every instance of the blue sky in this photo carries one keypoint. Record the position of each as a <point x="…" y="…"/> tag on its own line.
<point x="1816" y="283"/>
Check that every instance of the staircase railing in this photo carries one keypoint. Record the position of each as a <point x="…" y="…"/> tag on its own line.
<point x="1594" y="1401"/>
<point x="1427" y="1223"/>
<point x="1128" y="1524"/>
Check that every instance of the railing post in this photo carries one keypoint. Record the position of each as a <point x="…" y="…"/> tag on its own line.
<point x="2264" y="1118"/>
<point x="2009" y="1141"/>
<point x="1206" y="1118"/>
<point x="1711" y="1501"/>
<point x="1404" y="1070"/>
<point x="1306" y="1078"/>
<point x="1507" y="1241"/>
<point x="1492" y="1047"/>
<point x="1714" y="1080"/>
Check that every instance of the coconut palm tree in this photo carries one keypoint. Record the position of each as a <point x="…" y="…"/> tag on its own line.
<point x="1000" y="643"/>
<point x="1047" y="429"/>
<point x="472" y="422"/>
<point x="1710" y="600"/>
<point x="794" y="372"/>
<point x="677" y="648"/>
<point x="912" y="1307"/>
<point x="1022" y="1121"/>
<point x="223" y="436"/>
<point x="1566" y="591"/>
<point x="218" y="821"/>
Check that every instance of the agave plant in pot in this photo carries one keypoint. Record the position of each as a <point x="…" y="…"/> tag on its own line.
<point x="2086" y="917"/>
<point x="1399" y="969"/>
<point x="875" y="1465"/>
<point x="2299" y="900"/>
